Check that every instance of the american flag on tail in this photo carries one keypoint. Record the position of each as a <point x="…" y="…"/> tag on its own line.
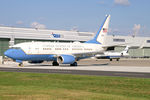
<point x="104" y="30"/>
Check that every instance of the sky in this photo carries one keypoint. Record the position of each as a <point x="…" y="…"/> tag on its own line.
<point x="128" y="17"/>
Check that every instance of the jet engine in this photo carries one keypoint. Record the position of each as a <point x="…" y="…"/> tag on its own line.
<point x="66" y="59"/>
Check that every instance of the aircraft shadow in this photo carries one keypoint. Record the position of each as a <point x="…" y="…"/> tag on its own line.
<point x="66" y="65"/>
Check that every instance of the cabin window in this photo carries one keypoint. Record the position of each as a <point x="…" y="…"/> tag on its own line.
<point x="57" y="48"/>
<point x="119" y="40"/>
<point x="46" y="48"/>
<point x="65" y="48"/>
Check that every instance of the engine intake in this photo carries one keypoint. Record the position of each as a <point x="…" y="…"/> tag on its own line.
<point x="66" y="59"/>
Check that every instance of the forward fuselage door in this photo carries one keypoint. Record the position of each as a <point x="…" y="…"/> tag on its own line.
<point x="29" y="50"/>
<point x="33" y="50"/>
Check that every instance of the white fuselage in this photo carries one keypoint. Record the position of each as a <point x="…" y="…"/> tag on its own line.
<point x="113" y="54"/>
<point x="55" y="48"/>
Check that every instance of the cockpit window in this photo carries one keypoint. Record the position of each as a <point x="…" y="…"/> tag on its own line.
<point x="15" y="48"/>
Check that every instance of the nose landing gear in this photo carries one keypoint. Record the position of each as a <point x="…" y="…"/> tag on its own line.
<point x="20" y="65"/>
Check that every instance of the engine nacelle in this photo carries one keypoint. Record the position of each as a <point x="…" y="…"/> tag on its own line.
<point x="34" y="62"/>
<point x="66" y="59"/>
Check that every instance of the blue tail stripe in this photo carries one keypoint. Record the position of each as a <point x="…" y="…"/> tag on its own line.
<point x="100" y="29"/>
<point x="94" y="40"/>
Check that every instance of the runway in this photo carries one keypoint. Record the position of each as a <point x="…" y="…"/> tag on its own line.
<point x="78" y="72"/>
<point x="90" y="67"/>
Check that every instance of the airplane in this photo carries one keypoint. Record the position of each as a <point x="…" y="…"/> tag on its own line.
<point x="59" y="53"/>
<point x="113" y="55"/>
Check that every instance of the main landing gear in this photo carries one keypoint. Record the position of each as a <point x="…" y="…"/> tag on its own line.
<point x="74" y="64"/>
<point x="55" y="63"/>
<point x="116" y="59"/>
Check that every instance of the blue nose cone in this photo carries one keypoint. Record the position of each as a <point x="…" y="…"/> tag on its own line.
<point x="7" y="53"/>
<point x="15" y="54"/>
<point x="11" y="53"/>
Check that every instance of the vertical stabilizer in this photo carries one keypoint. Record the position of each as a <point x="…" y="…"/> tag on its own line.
<point x="126" y="50"/>
<point x="102" y="33"/>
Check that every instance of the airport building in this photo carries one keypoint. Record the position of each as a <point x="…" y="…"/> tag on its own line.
<point x="140" y="46"/>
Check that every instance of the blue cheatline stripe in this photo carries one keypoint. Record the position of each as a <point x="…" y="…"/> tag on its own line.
<point x="114" y="56"/>
<point x="94" y="40"/>
<point x="18" y="54"/>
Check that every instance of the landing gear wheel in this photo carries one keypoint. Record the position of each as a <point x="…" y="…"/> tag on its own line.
<point x="110" y="59"/>
<point x="74" y="64"/>
<point x="55" y="63"/>
<point x="117" y="59"/>
<point x="20" y="65"/>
